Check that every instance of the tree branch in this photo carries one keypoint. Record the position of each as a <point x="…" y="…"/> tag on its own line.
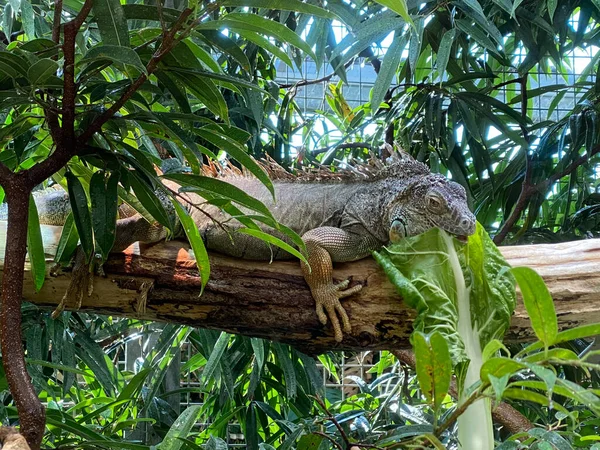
<point x="239" y="292"/>
<point x="167" y="45"/>
<point x="58" y="5"/>
<point x="527" y="191"/>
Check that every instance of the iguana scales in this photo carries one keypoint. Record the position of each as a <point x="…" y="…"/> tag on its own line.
<point x="341" y="216"/>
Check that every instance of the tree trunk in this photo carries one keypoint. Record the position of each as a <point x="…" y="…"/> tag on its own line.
<point x="31" y="411"/>
<point x="272" y="300"/>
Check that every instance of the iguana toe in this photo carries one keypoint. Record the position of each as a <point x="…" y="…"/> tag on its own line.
<point x="328" y="306"/>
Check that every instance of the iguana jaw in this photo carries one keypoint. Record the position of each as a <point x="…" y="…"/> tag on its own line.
<point x="398" y="230"/>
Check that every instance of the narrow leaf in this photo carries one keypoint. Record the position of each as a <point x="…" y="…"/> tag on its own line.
<point x="149" y="200"/>
<point x="41" y="70"/>
<point x="67" y="243"/>
<point x="398" y="6"/>
<point x="238" y="152"/>
<point x="103" y="196"/>
<point x="35" y="247"/>
<point x="220" y="188"/>
<point x="193" y="236"/>
<point x="123" y="55"/>
<point x="112" y="23"/>
<point x="391" y="60"/>
<point x="180" y="429"/>
<point x="443" y="54"/>
<point x="538" y="303"/>
<point x="81" y="214"/>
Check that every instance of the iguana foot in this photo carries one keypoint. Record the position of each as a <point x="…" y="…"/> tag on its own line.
<point x="82" y="282"/>
<point x="328" y="303"/>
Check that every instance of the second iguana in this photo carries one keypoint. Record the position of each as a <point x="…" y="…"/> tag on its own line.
<point x="341" y="216"/>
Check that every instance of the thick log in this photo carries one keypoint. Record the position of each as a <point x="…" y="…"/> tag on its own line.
<point x="272" y="301"/>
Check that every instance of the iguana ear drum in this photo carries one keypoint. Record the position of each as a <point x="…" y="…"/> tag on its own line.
<point x="397" y="230"/>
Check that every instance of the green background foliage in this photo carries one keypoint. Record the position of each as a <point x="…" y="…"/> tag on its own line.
<point x="460" y="87"/>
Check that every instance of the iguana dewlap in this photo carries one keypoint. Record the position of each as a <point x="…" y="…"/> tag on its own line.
<point x="340" y="218"/>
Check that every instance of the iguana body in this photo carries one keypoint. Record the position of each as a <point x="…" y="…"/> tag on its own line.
<point x="340" y="218"/>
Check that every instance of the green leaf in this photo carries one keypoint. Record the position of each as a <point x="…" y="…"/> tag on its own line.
<point x="539" y="304"/>
<point x="81" y="214"/>
<point x="581" y="332"/>
<point x="123" y="55"/>
<point x="67" y="243"/>
<point x="258" y="24"/>
<point x="552" y="354"/>
<point x="500" y="367"/>
<point x="251" y="431"/>
<point x="207" y="92"/>
<point x="147" y="12"/>
<point x="499" y="384"/>
<point x="443" y="54"/>
<point x="220" y="188"/>
<point x="273" y="240"/>
<point x="215" y="356"/>
<point x="388" y="69"/>
<point x="41" y="70"/>
<point x="551" y="4"/>
<point x="259" y="350"/>
<point x="193" y="236"/>
<point x="149" y="200"/>
<point x="28" y="19"/>
<point x="433" y="366"/>
<point x="284" y="5"/>
<point x="104" y="199"/>
<point x="35" y="247"/>
<point x="238" y="152"/>
<point x="112" y="23"/>
<point x="398" y="6"/>
<point x="285" y="363"/>
<point x="181" y="428"/>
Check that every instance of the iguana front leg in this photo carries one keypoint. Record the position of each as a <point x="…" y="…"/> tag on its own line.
<point x="323" y="246"/>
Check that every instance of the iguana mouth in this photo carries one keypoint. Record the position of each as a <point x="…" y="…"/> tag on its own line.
<point x="462" y="238"/>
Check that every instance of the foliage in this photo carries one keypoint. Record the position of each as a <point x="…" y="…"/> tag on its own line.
<point x="459" y="87"/>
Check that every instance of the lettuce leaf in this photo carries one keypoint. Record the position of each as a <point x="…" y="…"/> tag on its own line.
<point x="436" y="274"/>
<point x="465" y="292"/>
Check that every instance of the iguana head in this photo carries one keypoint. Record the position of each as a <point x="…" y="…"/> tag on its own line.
<point x="428" y="202"/>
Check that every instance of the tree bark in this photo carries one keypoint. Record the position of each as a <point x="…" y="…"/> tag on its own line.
<point x="31" y="411"/>
<point x="272" y="301"/>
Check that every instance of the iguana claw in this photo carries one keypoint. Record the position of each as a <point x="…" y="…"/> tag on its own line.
<point x="328" y="303"/>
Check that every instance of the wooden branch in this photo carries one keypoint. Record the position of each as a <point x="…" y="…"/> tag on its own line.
<point x="272" y="300"/>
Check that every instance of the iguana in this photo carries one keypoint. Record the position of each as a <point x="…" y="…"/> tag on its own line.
<point x="341" y="216"/>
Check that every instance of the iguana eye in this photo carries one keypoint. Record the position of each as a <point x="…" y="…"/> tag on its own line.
<point x="434" y="203"/>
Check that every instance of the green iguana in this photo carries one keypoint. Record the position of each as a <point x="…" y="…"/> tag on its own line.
<point x="341" y="216"/>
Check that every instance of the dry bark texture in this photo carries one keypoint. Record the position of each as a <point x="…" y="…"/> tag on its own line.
<point x="272" y="300"/>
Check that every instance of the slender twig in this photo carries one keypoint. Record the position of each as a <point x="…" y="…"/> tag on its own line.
<point x="306" y="82"/>
<point x="332" y="419"/>
<point x="506" y="83"/>
<point x="527" y="191"/>
<point x="165" y="47"/>
<point x="460" y="409"/>
<point x="329" y="438"/>
<point x="161" y="17"/>
<point x="58" y="5"/>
